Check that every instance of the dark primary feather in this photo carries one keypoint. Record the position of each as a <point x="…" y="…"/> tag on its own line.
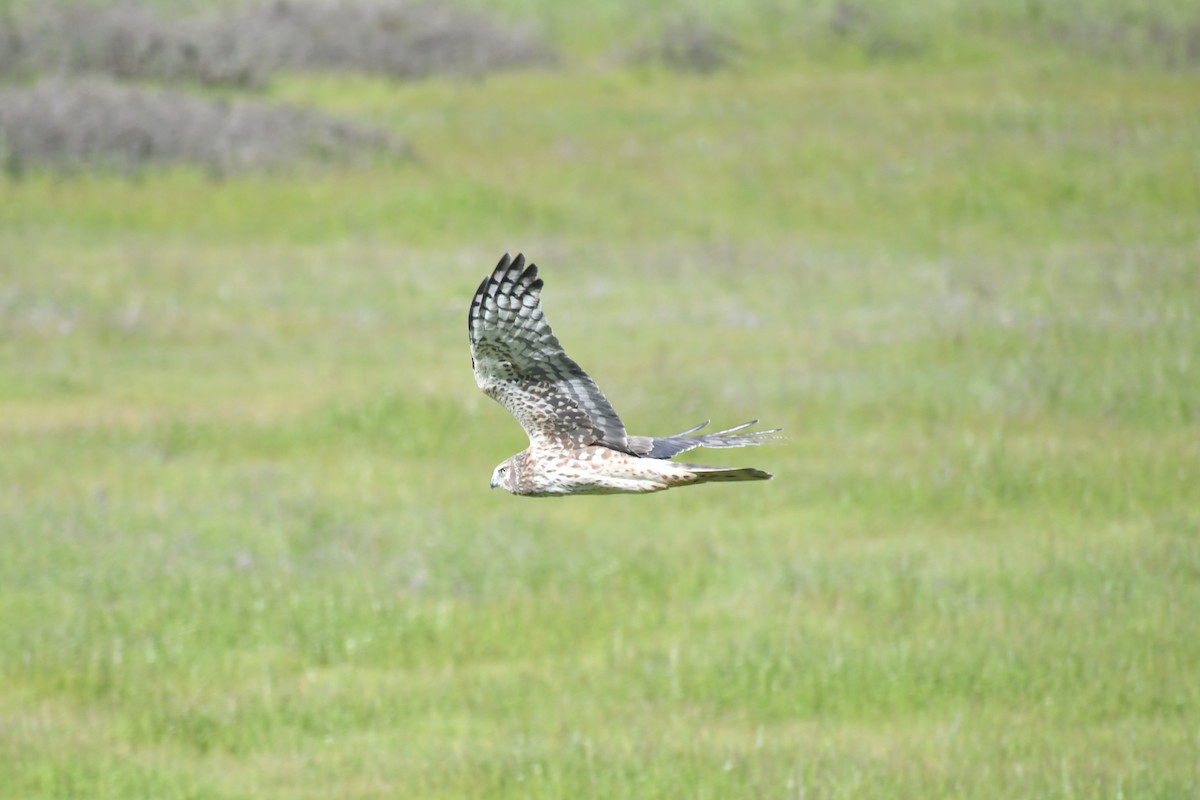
<point x="519" y="362"/>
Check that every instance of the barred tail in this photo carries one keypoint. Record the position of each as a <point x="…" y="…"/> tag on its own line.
<point x="705" y="474"/>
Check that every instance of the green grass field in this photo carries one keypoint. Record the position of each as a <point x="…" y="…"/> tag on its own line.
<point x="247" y="548"/>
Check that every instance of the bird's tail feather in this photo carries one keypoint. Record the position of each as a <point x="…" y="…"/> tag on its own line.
<point x="706" y="474"/>
<point x="676" y="443"/>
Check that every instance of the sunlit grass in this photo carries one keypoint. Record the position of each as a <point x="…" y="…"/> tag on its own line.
<point x="247" y="547"/>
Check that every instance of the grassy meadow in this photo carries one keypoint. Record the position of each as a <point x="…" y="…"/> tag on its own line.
<point x="247" y="548"/>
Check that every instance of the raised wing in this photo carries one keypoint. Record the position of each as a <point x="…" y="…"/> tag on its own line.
<point x="519" y="362"/>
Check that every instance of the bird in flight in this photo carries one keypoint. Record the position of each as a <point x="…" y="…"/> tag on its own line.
<point x="577" y="443"/>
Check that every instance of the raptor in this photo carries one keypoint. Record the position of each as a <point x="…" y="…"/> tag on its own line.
<point x="577" y="443"/>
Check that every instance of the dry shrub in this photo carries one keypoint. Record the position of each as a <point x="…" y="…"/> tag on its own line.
<point x="1146" y="39"/>
<point x="692" y="46"/>
<point x="244" y="46"/>
<point x="132" y="41"/>
<point x="687" y="46"/>
<point x="401" y="39"/>
<point x="874" y="29"/>
<point x="65" y="124"/>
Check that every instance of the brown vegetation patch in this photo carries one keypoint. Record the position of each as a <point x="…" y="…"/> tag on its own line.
<point x="243" y="46"/>
<point x="64" y="124"/>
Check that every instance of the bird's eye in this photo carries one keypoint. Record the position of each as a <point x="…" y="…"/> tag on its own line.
<point x="503" y="470"/>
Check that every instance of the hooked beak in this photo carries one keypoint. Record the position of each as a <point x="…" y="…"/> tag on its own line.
<point x="492" y="483"/>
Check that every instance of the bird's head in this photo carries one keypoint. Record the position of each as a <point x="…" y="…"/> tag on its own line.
<point x="505" y="474"/>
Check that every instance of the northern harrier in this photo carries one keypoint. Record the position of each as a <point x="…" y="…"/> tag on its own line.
<point x="577" y="443"/>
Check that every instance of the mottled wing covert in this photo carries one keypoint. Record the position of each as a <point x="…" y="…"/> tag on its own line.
<point x="519" y="362"/>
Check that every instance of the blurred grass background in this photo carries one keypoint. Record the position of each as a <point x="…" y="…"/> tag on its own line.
<point x="246" y="548"/>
